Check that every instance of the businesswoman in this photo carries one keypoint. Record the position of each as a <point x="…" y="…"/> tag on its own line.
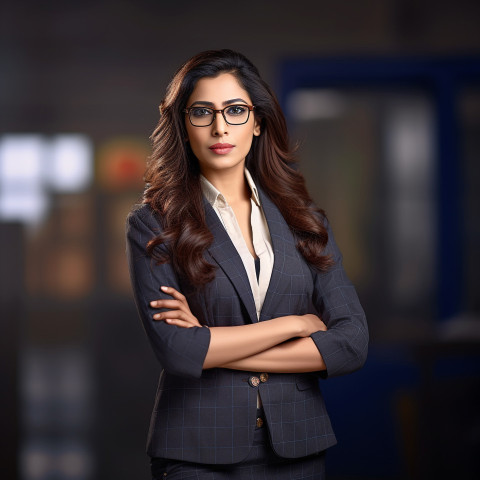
<point x="239" y="285"/>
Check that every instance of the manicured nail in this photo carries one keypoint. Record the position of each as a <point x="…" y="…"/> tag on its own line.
<point x="164" y="288"/>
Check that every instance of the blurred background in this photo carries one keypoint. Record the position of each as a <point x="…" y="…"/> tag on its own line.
<point x="383" y="98"/>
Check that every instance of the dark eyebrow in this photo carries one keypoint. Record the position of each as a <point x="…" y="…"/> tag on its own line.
<point x="234" y="100"/>
<point x="201" y="102"/>
<point x="225" y="103"/>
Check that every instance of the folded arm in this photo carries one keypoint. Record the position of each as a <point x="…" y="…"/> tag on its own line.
<point x="187" y="351"/>
<point x="256" y="347"/>
<point x="252" y="346"/>
<point x="296" y="356"/>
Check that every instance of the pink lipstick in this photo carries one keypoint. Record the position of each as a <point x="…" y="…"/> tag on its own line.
<point x="221" y="148"/>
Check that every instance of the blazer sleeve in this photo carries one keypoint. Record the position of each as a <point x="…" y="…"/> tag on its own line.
<point x="344" y="345"/>
<point x="180" y="351"/>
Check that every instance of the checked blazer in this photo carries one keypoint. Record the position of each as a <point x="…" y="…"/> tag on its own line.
<point x="208" y="416"/>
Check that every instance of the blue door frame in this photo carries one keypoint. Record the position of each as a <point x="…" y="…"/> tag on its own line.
<point x="443" y="78"/>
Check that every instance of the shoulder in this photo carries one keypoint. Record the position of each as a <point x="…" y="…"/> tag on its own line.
<point x="266" y="202"/>
<point x="141" y="217"/>
<point x="143" y="212"/>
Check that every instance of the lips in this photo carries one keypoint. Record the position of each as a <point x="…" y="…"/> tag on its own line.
<point x="221" y="148"/>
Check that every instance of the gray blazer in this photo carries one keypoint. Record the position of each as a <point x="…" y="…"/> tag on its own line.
<point x="208" y="416"/>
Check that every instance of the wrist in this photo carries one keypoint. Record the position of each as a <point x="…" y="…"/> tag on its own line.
<point x="297" y="325"/>
<point x="288" y="326"/>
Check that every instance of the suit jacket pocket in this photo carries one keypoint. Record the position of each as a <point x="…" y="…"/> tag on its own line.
<point x="305" y="381"/>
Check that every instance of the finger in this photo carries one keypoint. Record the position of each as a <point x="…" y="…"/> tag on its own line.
<point x="178" y="318"/>
<point x="177" y="322"/>
<point x="184" y="322"/>
<point x="170" y="314"/>
<point x="166" y="303"/>
<point x="174" y="293"/>
<point x="177" y="315"/>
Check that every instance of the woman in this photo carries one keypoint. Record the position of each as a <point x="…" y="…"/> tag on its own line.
<point x="239" y="285"/>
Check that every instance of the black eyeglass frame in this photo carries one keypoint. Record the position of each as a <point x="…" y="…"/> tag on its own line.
<point x="222" y="111"/>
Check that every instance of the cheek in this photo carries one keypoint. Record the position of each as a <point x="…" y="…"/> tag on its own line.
<point x="247" y="141"/>
<point x="193" y="133"/>
<point x="189" y="137"/>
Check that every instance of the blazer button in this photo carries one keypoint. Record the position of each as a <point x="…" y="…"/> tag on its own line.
<point x="263" y="377"/>
<point x="254" y="381"/>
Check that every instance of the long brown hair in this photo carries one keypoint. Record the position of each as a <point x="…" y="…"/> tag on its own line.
<point x="173" y="187"/>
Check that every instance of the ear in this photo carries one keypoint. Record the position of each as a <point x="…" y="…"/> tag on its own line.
<point x="256" y="128"/>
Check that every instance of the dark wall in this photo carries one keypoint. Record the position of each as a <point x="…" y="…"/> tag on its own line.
<point x="101" y="67"/>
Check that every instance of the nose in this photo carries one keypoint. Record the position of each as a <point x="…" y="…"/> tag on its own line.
<point x="219" y="125"/>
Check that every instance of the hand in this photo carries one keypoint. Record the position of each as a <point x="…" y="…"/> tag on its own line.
<point x="179" y="313"/>
<point x="312" y="323"/>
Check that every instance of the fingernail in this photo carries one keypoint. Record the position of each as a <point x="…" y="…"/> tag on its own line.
<point x="164" y="288"/>
<point x="153" y="303"/>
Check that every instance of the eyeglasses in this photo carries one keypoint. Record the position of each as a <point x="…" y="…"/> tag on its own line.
<point x="233" y="115"/>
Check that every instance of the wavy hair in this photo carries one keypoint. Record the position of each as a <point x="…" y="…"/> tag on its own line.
<point x="172" y="176"/>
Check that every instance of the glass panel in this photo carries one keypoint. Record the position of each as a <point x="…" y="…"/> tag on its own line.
<point x="368" y="157"/>
<point x="470" y="145"/>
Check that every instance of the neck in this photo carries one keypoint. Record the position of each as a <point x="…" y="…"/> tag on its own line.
<point x="232" y="184"/>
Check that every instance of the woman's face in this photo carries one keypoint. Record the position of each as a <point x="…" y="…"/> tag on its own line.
<point x="220" y="147"/>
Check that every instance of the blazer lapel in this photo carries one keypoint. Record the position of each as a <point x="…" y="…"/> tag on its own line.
<point x="225" y="254"/>
<point x="283" y="241"/>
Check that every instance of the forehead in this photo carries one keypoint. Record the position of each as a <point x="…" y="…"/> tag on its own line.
<point x="218" y="90"/>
